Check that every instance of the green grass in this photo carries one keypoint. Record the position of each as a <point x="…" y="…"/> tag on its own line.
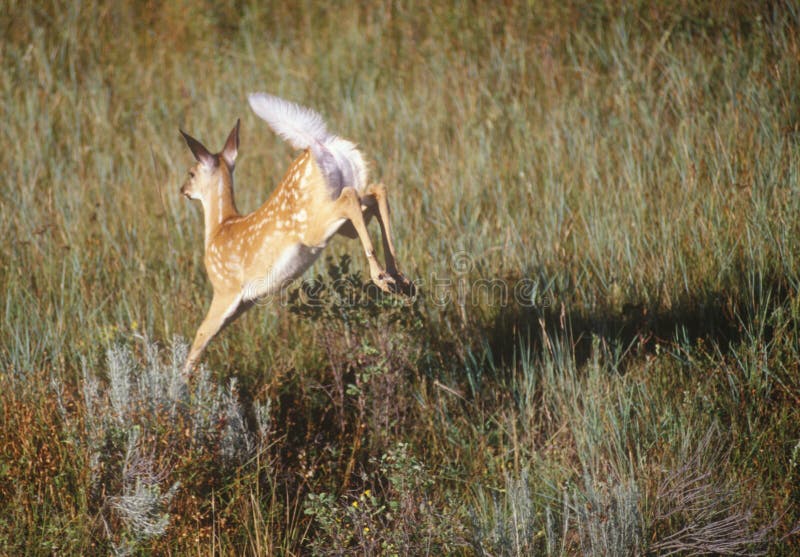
<point x="633" y="169"/>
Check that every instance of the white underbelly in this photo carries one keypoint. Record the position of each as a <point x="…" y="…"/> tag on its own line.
<point x="292" y="263"/>
<point x="332" y="229"/>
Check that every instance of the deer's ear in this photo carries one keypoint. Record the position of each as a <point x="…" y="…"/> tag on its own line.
<point x="231" y="148"/>
<point x="198" y="150"/>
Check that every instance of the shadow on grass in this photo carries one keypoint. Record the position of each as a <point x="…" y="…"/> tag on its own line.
<point x="325" y="408"/>
<point x="715" y="317"/>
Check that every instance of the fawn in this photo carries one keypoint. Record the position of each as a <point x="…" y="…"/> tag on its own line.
<point x="324" y="192"/>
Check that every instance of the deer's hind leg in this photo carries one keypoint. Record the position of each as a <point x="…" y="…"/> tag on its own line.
<point x="378" y="193"/>
<point x="348" y="206"/>
<point x="368" y="209"/>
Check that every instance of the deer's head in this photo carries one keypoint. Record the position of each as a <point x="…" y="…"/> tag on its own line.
<point x="213" y="172"/>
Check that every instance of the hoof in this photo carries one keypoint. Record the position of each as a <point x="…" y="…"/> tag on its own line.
<point x="188" y="369"/>
<point x="403" y="285"/>
<point x="385" y="282"/>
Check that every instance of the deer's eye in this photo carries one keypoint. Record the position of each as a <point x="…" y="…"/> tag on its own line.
<point x="191" y="174"/>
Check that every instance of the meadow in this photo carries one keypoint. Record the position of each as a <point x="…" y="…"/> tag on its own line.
<point x="599" y="201"/>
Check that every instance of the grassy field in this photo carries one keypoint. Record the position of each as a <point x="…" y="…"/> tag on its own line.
<point x="600" y="203"/>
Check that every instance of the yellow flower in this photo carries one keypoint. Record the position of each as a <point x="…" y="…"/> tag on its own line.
<point x="355" y="504"/>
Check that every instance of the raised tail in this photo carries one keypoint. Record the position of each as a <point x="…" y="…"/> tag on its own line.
<point x="339" y="159"/>
<point x="302" y="127"/>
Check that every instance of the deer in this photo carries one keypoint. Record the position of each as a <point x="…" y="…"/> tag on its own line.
<point x="324" y="192"/>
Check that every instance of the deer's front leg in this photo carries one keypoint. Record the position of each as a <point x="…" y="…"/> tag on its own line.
<point x="378" y="191"/>
<point x="223" y="310"/>
<point x="348" y="205"/>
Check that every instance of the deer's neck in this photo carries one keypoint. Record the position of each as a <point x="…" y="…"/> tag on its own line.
<point x="219" y="208"/>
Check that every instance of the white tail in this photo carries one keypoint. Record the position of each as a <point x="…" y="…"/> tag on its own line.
<point x="300" y="126"/>
<point x="339" y="159"/>
<point x="324" y="191"/>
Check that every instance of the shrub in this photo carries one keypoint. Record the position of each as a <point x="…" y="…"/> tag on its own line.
<point x="393" y="515"/>
<point x="146" y="426"/>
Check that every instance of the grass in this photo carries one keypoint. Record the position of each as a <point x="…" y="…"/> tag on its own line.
<point x="599" y="202"/>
